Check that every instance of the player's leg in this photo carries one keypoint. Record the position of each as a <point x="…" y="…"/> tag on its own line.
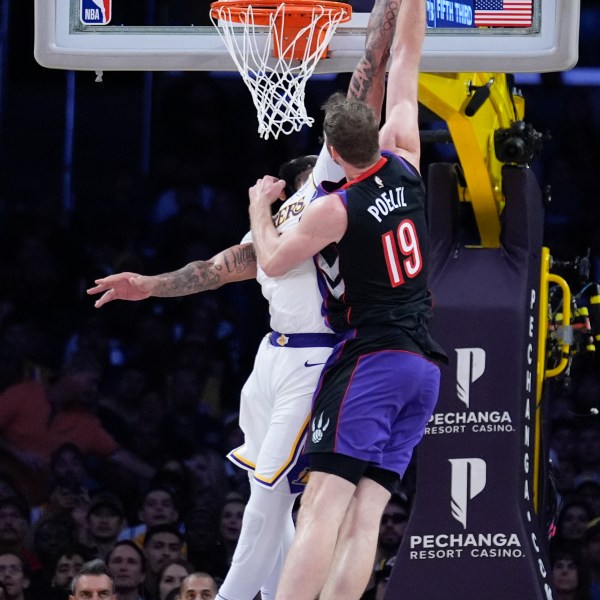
<point x="357" y="543"/>
<point x="414" y="402"/>
<point x="269" y="588"/>
<point x="267" y="514"/>
<point x="274" y="487"/>
<point x="324" y="504"/>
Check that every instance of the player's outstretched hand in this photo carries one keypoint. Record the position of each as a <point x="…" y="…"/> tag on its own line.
<point x="122" y="286"/>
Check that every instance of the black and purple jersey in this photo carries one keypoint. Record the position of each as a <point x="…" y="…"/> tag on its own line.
<point x="374" y="280"/>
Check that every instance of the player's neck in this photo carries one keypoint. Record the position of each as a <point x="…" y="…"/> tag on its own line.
<point x="352" y="172"/>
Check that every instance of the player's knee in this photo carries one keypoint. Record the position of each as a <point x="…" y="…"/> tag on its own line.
<point x="252" y="528"/>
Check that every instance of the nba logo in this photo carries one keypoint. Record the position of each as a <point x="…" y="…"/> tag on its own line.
<point x="95" y="12"/>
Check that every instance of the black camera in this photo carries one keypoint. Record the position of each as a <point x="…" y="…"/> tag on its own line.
<point x="517" y="144"/>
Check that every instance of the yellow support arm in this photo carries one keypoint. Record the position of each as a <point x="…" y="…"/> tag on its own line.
<point x="448" y="95"/>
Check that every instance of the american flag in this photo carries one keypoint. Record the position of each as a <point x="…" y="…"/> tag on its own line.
<point x="503" y="13"/>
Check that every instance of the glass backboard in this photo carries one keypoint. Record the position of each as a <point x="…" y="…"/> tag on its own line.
<point x="510" y="36"/>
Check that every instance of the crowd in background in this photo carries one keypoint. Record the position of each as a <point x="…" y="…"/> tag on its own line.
<point x="114" y="423"/>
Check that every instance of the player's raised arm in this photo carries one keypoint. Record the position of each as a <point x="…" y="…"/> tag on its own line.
<point x="400" y="134"/>
<point x="368" y="78"/>
<point x="237" y="263"/>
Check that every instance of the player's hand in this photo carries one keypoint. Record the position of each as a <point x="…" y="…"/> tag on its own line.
<point x="122" y="286"/>
<point x="267" y="190"/>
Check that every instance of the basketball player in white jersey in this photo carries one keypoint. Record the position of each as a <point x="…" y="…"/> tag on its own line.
<point x="276" y="399"/>
<point x="380" y="385"/>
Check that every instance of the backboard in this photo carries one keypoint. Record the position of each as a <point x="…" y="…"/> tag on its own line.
<point x="509" y="36"/>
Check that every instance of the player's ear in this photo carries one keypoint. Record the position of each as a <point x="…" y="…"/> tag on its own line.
<point x="334" y="154"/>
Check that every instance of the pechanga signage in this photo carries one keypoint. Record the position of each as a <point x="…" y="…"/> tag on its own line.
<point x="467" y="481"/>
<point x="473" y="520"/>
<point x="470" y="366"/>
<point x="478" y="545"/>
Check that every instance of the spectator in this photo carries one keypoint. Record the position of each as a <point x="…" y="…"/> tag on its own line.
<point x="35" y="420"/>
<point x="204" y="549"/>
<point x="14" y="530"/>
<point x="392" y="527"/>
<point x="588" y="449"/>
<point x="162" y="545"/>
<point x="382" y="577"/>
<point x="158" y="508"/>
<point x="70" y="484"/>
<point x="68" y="468"/>
<point x="391" y="532"/>
<point x="564" y="472"/>
<point x="126" y="408"/>
<point x="187" y="425"/>
<point x="51" y="537"/>
<point x="563" y="438"/>
<point x="173" y="475"/>
<point x="198" y="586"/>
<point x="127" y="565"/>
<point x="64" y="503"/>
<point x="104" y="522"/>
<point x="171" y="576"/>
<point x="93" y="581"/>
<point x="588" y="491"/>
<point x="591" y="552"/>
<point x="67" y="566"/>
<point x="570" y="575"/>
<point x="208" y="479"/>
<point x="230" y="525"/>
<point x="572" y="522"/>
<point x="13" y="576"/>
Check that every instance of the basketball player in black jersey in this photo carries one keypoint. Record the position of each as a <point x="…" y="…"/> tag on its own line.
<point x="380" y="386"/>
<point x="264" y="533"/>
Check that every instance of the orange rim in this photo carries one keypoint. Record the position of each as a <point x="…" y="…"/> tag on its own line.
<point x="298" y="13"/>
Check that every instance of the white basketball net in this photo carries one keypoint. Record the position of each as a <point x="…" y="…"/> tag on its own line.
<point x="276" y="83"/>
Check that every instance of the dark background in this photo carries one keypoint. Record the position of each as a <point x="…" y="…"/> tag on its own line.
<point x="71" y="213"/>
<point x="146" y="172"/>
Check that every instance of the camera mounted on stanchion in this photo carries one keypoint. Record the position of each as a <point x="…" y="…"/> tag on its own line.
<point x="518" y="144"/>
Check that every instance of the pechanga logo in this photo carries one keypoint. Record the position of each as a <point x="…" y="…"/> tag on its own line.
<point x="467" y="480"/>
<point x="470" y="365"/>
<point x="468" y="477"/>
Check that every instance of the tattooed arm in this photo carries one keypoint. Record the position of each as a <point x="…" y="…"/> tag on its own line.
<point x="368" y="79"/>
<point x="237" y="263"/>
<point x="400" y="134"/>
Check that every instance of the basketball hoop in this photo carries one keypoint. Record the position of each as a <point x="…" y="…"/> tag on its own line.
<point x="276" y="47"/>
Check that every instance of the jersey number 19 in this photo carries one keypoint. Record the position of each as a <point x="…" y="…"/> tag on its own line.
<point x="402" y="252"/>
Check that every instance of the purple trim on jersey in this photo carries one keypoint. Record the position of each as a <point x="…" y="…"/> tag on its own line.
<point x="327" y="187"/>
<point x="408" y="165"/>
<point x="341" y="194"/>
<point x="295" y="469"/>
